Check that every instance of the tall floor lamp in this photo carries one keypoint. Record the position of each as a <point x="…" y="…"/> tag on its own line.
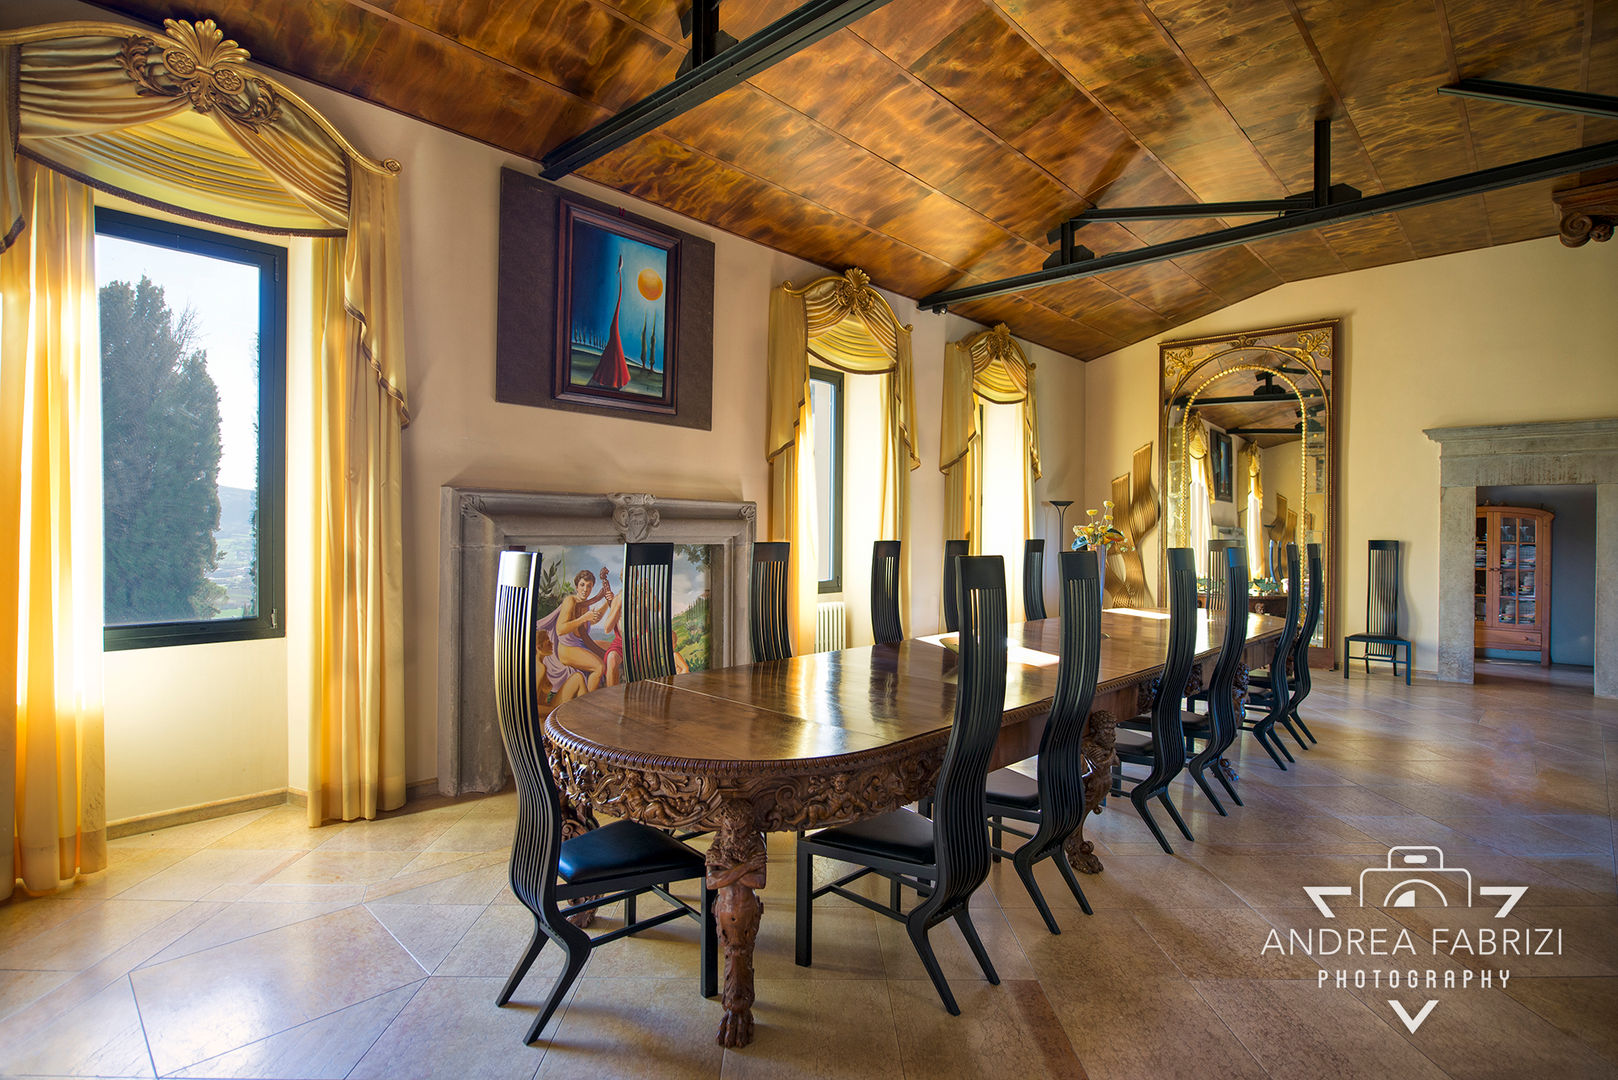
<point x="1061" y="506"/>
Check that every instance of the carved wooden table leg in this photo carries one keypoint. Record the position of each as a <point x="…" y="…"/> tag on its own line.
<point x="578" y="817"/>
<point x="736" y="863"/>
<point x="1238" y="693"/>
<point x="1100" y="743"/>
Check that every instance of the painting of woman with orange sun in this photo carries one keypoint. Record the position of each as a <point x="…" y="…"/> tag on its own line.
<point x="616" y="311"/>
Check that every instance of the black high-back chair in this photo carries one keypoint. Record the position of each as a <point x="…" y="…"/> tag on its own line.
<point x="1299" y="682"/>
<point x="886" y="625"/>
<point x="616" y="862"/>
<point x="767" y="601"/>
<point x="1033" y="580"/>
<point x="1381" y="638"/>
<point x="1227" y="613"/>
<point x="953" y="549"/>
<point x="648" y="616"/>
<point x="1162" y="745"/>
<point x="944" y="858"/>
<point x="1054" y="802"/>
<point x="1273" y="688"/>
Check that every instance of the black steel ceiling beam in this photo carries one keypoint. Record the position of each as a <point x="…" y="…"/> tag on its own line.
<point x="1542" y="97"/>
<point x="1323" y="193"/>
<point x="708" y="79"/>
<point x="1548" y="167"/>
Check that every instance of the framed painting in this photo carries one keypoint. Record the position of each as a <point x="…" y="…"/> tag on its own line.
<point x="601" y="310"/>
<point x="616" y="311"/>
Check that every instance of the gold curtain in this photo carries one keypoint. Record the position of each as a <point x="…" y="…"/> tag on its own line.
<point x="173" y="119"/>
<point x="988" y="366"/>
<point x="846" y="324"/>
<point x="1258" y="554"/>
<point x="52" y="756"/>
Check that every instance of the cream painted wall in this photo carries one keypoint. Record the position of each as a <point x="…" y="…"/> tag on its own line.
<point x="1523" y="332"/>
<point x="175" y="717"/>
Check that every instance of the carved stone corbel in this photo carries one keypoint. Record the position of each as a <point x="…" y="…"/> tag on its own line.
<point x="634" y="515"/>
<point x="1588" y="213"/>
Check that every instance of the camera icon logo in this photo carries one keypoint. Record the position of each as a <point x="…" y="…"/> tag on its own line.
<point x="1415" y="877"/>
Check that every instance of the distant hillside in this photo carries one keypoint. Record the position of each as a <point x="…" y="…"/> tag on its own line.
<point x="692" y="633"/>
<point x="234" y="539"/>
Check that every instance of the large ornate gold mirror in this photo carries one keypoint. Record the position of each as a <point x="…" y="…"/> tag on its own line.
<point x="1248" y="427"/>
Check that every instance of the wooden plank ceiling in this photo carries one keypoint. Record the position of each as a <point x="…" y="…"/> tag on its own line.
<point x="935" y="142"/>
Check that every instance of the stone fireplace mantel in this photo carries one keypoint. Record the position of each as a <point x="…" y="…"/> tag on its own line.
<point x="476" y="524"/>
<point x="1563" y="452"/>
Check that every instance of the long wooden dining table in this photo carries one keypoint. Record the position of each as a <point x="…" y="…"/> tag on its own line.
<point x="825" y="739"/>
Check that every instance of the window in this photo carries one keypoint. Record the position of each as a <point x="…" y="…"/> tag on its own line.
<point x="826" y="407"/>
<point x="193" y="422"/>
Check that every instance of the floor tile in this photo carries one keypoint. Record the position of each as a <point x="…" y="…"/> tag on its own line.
<point x="649" y="1027"/>
<point x="200" y="1006"/>
<point x="1147" y="1027"/>
<point x="324" y="1049"/>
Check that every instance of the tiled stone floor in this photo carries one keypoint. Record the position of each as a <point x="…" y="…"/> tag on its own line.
<point x="252" y="946"/>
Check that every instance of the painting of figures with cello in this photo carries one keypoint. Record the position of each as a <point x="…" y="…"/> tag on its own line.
<point x="580" y="645"/>
<point x="616" y="311"/>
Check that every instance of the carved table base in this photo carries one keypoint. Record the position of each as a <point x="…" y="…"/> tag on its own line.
<point x="1100" y="743"/>
<point x="736" y="864"/>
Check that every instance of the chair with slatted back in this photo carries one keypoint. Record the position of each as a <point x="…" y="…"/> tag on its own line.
<point x="953" y="549"/>
<point x="648" y="615"/>
<point x="886" y="625"/>
<point x="1053" y="801"/>
<point x="1162" y="746"/>
<point x="944" y="858"/>
<point x="1273" y="706"/>
<point x="1033" y="580"/>
<point x="616" y="862"/>
<point x="1381" y="639"/>
<point x="1299" y="682"/>
<point x="1216" y="730"/>
<point x="767" y="602"/>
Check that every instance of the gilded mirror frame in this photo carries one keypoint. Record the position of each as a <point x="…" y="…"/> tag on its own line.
<point x="1301" y="357"/>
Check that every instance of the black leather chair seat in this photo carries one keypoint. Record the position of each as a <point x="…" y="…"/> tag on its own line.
<point x="1134" y="743"/>
<point x="1007" y="787"/>
<point x="626" y="849"/>
<point x="1190" y="721"/>
<point x="899" y="834"/>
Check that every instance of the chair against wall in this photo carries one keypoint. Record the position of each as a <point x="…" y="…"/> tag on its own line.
<point x="1298" y="670"/>
<point x="1033" y="580"/>
<point x="1054" y="802"/>
<point x="615" y="862"/>
<point x="1227" y="611"/>
<point x="947" y="857"/>
<point x="886" y="625"/>
<point x="953" y="549"/>
<point x="767" y="601"/>
<point x="1381" y="612"/>
<point x="1162" y="745"/>
<point x="648" y="615"/>
<point x="1275" y="702"/>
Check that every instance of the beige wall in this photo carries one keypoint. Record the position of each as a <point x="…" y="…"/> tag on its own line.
<point x="1516" y="333"/>
<point x="190" y="725"/>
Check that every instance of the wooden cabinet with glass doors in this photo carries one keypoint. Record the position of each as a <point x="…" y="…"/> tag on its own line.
<point x="1511" y="569"/>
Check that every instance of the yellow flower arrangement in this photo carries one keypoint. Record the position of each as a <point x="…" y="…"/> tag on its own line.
<point x="1099" y="534"/>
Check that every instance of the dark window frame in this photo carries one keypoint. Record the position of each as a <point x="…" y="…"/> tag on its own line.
<point x="271" y="556"/>
<point x="834" y="379"/>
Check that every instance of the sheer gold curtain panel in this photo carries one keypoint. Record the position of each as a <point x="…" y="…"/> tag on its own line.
<point x="987" y="366"/>
<point x="52" y="756"/>
<point x="846" y="324"/>
<point x="174" y="119"/>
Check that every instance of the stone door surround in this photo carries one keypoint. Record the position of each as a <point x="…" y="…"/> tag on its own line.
<point x="1561" y="452"/>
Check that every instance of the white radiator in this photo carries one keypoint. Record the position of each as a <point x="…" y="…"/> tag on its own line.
<point x="831" y="626"/>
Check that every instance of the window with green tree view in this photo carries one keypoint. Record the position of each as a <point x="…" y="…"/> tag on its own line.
<point x="193" y="417"/>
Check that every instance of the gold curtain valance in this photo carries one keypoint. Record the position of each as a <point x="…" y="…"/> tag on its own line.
<point x="175" y="120"/>
<point x="843" y="321"/>
<point x="990" y="366"/>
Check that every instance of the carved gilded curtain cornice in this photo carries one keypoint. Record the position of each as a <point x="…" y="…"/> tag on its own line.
<point x="849" y="324"/>
<point x="197" y="61"/>
<point x="1001" y="371"/>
